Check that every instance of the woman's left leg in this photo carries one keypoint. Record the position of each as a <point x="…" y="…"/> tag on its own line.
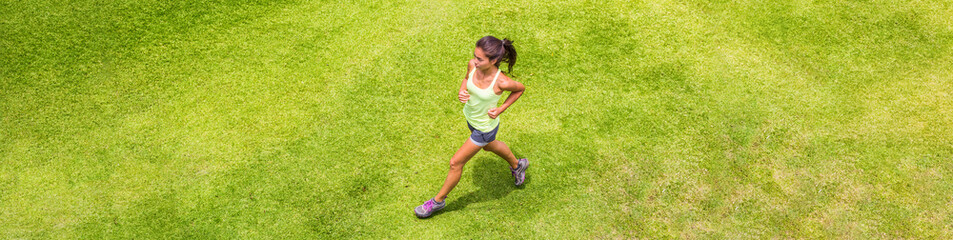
<point x="517" y="167"/>
<point x="500" y="148"/>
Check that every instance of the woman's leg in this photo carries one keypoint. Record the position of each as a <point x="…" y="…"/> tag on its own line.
<point x="456" y="168"/>
<point x="500" y="148"/>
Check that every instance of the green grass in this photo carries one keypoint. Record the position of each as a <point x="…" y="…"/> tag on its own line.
<point x="329" y="119"/>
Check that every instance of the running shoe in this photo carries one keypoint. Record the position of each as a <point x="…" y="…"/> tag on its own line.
<point x="428" y="208"/>
<point x="519" y="173"/>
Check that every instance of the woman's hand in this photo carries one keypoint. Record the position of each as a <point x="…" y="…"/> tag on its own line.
<point x="495" y="112"/>
<point x="464" y="96"/>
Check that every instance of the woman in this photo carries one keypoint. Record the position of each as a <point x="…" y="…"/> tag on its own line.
<point x="486" y="83"/>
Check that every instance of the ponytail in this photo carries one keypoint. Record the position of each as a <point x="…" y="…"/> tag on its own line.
<point x="508" y="55"/>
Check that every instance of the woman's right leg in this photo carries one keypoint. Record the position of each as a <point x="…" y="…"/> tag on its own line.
<point x="456" y="168"/>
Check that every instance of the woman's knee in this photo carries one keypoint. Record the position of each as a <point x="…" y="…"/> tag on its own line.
<point x="456" y="164"/>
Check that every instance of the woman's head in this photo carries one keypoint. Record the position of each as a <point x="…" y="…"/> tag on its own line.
<point x="494" y="51"/>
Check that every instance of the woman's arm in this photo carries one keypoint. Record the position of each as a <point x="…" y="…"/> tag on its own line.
<point x="516" y="90"/>
<point x="463" y="95"/>
<point x="470" y="66"/>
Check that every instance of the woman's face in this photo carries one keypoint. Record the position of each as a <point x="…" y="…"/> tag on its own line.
<point x="481" y="60"/>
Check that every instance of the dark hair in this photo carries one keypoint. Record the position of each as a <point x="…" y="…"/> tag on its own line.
<point x="496" y="49"/>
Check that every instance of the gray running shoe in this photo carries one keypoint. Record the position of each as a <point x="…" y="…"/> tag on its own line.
<point x="520" y="172"/>
<point x="429" y="207"/>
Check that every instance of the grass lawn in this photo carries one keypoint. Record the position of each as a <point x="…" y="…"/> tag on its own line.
<point x="329" y="119"/>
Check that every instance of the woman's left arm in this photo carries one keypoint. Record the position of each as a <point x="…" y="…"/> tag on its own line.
<point x="516" y="90"/>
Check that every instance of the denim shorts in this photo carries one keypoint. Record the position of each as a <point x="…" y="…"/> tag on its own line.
<point x="482" y="138"/>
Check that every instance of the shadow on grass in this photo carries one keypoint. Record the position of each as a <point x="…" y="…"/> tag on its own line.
<point x="492" y="177"/>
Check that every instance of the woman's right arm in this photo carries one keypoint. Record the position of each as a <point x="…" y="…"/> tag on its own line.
<point x="470" y="66"/>
<point x="463" y="94"/>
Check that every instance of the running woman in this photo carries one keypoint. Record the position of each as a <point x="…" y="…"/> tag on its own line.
<point x="480" y="91"/>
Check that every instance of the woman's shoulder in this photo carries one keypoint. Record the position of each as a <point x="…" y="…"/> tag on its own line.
<point x="505" y="82"/>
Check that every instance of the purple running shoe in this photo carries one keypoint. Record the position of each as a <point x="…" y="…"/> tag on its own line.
<point x="429" y="207"/>
<point x="520" y="171"/>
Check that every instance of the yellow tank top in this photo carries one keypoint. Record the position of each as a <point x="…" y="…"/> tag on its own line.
<point x="481" y="101"/>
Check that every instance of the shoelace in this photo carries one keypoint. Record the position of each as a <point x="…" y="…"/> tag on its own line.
<point x="429" y="205"/>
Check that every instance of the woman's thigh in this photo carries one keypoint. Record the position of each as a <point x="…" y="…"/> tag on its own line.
<point x="466" y="151"/>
